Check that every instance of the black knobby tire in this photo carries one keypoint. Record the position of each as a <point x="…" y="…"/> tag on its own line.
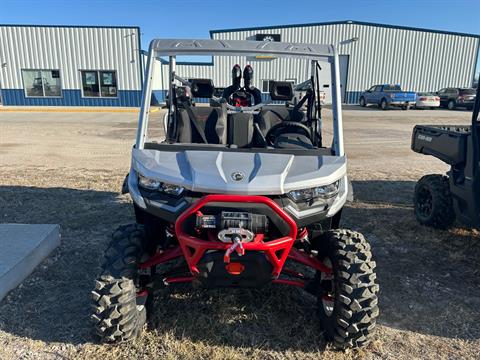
<point x="348" y="316"/>
<point x="433" y="202"/>
<point x="362" y="102"/>
<point x="383" y="104"/>
<point x="118" y="313"/>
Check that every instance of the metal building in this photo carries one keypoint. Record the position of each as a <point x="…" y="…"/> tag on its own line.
<point x="417" y="59"/>
<point x="70" y="65"/>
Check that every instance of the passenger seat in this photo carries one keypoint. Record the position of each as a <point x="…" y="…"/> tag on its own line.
<point x="212" y="120"/>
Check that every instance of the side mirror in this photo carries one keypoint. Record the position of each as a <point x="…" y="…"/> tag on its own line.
<point x="281" y="90"/>
<point x="202" y="88"/>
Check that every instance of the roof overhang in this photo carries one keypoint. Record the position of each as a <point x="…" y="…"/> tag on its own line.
<point x="172" y="47"/>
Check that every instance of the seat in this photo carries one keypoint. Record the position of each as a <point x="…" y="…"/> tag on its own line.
<point x="212" y="120"/>
<point x="240" y="129"/>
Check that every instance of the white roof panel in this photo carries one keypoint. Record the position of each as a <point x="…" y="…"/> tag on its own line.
<point x="170" y="47"/>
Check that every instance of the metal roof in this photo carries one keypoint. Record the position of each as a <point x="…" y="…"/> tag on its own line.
<point x="74" y="26"/>
<point x="271" y="27"/>
<point x="169" y="47"/>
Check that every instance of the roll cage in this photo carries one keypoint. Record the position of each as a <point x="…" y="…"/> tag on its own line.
<point x="174" y="47"/>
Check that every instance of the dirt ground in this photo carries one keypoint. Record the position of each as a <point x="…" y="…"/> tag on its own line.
<point x="68" y="168"/>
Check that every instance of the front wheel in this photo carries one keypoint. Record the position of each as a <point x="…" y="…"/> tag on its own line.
<point x="383" y="104"/>
<point x="451" y="105"/>
<point x="119" y="311"/>
<point x="362" y="102"/>
<point x="347" y="298"/>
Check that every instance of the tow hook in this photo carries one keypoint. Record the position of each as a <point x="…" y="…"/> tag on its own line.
<point x="236" y="246"/>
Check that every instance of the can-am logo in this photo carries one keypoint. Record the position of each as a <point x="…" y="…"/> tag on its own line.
<point x="237" y="176"/>
<point x="425" y="138"/>
<point x="267" y="37"/>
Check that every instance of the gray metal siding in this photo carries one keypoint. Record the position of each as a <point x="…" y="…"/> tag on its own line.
<point x="418" y="60"/>
<point x="70" y="49"/>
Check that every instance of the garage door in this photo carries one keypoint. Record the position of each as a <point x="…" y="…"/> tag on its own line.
<point x="326" y="81"/>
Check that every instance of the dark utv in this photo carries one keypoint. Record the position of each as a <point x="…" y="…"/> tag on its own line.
<point x="440" y="199"/>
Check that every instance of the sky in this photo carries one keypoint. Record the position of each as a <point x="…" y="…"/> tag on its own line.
<point x="194" y="19"/>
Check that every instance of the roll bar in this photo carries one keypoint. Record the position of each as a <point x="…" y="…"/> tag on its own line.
<point x="174" y="47"/>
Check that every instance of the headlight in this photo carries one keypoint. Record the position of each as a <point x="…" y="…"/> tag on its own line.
<point x="324" y="192"/>
<point x="151" y="184"/>
<point x="147" y="183"/>
<point x="171" y="189"/>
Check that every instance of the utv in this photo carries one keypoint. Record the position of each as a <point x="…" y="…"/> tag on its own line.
<point x="439" y="200"/>
<point x="237" y="194"/>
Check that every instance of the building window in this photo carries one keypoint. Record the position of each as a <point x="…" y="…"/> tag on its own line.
<point x="42" y="83"/>
<point x="266" y="85"/>
<point x="99" y="83"/>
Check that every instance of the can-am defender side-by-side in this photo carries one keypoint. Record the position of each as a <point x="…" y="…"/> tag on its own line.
<point x="235" y="195"/>
<point x="439" y="199"/>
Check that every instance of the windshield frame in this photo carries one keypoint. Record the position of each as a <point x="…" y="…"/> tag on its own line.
<point x="174" y="47"/>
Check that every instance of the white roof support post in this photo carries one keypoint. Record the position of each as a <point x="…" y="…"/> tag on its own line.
<point x="337" y="107"/>
<point x="146" y="99"/>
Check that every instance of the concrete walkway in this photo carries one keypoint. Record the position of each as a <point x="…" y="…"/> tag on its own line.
<point x="22" y="248"/>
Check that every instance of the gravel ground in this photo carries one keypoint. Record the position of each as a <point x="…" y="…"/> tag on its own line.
<point x="68" y="168"/>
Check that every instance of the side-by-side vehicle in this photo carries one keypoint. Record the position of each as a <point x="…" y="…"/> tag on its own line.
<point x="239" y="195"/>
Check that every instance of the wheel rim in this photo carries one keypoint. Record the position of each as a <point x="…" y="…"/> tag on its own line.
<point x="327" y="286"/>
<point x="450" y="105"/>
<point x="424" y="203"/>
<point x="383" y="104"/>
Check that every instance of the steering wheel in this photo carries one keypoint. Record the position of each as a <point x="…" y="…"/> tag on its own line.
<point x="275" y="130"/>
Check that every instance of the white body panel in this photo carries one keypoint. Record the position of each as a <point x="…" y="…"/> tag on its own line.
<point x="430" y="101"/>
<point x="264" y="173"/>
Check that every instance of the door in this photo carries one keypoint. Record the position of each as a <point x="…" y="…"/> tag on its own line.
<point x="377" y="94"/>
<point x="369" y="95"/>
<point x="442" y="95"/>
<point x="325" y="79"/>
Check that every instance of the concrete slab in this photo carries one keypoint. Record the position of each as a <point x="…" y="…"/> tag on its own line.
<point x="22" y="248"/>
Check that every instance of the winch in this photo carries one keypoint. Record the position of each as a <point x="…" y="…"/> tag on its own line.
<point x="255" y="223"/>
<point x="235" y="228"/>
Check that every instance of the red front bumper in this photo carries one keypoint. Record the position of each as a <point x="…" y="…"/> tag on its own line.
<point x="277" y="250"/>
<point x="194" y="248"/>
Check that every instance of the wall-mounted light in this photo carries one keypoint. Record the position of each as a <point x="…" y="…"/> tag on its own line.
<point x="349" y="41"/>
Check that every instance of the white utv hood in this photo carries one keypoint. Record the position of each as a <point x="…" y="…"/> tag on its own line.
<point x="242" y="173"/>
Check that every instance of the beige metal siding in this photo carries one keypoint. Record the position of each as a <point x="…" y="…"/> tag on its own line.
<point x="69" y="49"/>
<point x="418" y="60"/>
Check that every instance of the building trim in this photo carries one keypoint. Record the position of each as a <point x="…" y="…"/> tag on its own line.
<point x="74" y="26"/>
<point x="343" y="22"/>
